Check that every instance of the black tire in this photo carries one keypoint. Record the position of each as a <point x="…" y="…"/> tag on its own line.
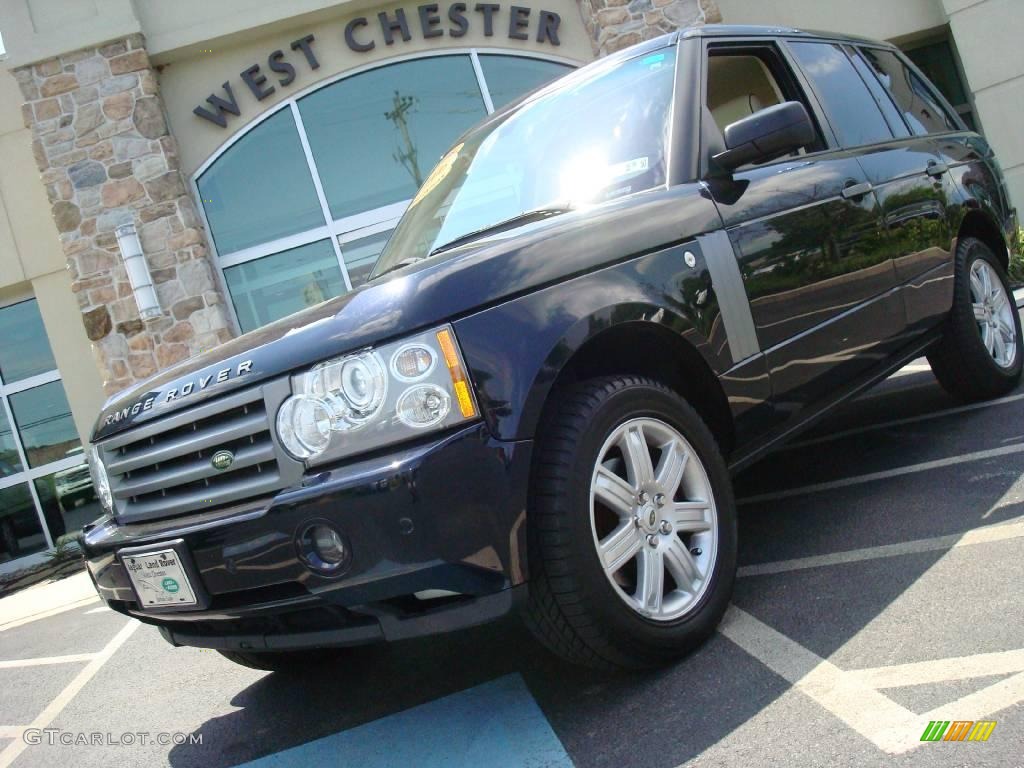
<point x="960" y="361"/>
<point x="573" y="608"/>
<point x="286" y="662"/>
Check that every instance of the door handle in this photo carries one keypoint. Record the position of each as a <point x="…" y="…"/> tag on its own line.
<point x="936" y="169"/>
<point x="853" y="190"/>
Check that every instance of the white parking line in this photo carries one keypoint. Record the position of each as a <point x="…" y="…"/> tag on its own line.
<point x="992" y="453"/>
<point x="45" y="660"/>
<point x="900" y="422"/>
<point x="983" y="535"/>
<point x="871" y="713"/>
<point x="853" y="696"/>
<point x="47" y="716"/>
<point x="908" y="370"/>
<point x="942" y="670"/>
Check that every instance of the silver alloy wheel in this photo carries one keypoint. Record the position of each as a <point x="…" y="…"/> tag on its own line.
<point x="993" y="312"/>
<point x="653" y="518"/>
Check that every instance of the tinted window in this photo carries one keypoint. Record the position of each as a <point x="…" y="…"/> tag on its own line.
<point x="922" y="112"/>
<point x="26" y="350"/>
<point x="509" y="77"/>
<point x="852" y="112"/>
<point x="270" y="288"/>
<point x="9" y="461"/>
<point x="376" y="136"/>
<point x="18" y="516"/>
<point x="892" y="115"/>
<point x="44" y="420"/>
<point x="262" y="189"/>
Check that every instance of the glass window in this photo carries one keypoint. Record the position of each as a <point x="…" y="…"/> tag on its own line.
<point x="9" y="461"/>
<point x="25" y="350"/>
<point x="361" y="254"/>
<point x="44" y="423"/>
<point x="68" y="500"/>
<point x="376" y="136"/>
<point x="261" y="189"/>
<point x="851" y="110"/>
<point x="509" y="77"/>
<point x="276" y="286"/>
<point x="372" y="139"/>
<point x="922" y="112"/>
<point x="938" y="62"/>
<point x="892" y="115"/>
<point x="20" y="531"/>
<point x="602" y="136"/>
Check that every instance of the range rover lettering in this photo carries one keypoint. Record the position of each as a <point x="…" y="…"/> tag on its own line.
<point x="604" y="301"/>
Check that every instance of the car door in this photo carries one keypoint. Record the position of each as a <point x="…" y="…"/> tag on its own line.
<point x="806" y="232"/>
<point x="912" y="182"/>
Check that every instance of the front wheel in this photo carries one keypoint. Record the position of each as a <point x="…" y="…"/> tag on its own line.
<point x="980" y="354"/>
<point x="632" y="526"/>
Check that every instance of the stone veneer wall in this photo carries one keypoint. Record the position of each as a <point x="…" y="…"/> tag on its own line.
<point x="102" y="145"/>
<point x="617" y="24"/>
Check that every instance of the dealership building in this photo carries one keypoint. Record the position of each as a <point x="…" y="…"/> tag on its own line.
<point x="262" y="153"/>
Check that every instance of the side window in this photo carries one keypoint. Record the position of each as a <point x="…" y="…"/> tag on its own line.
<point x="851" y="109"/>
<point x="892" y="115"/>
<point x="923" y="113"/>
<point x="742" y="81"/>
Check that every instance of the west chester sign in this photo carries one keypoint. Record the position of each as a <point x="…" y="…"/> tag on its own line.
<point x="363" y="34"/>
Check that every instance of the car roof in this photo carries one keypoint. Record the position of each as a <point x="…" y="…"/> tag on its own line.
<point x="751" y="30"/>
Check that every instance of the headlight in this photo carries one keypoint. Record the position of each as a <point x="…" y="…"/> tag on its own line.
<point x="100" y="481"/>
<point x="376" y="397"/>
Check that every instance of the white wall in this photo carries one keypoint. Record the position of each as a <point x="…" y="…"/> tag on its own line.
<point x="879" y="19"/>
<point x="990" y="38"/>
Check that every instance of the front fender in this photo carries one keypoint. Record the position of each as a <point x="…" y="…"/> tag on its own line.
<point x="515" y="351"/>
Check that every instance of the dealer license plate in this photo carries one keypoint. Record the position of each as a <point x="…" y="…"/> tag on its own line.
<point x="159" y="579"/>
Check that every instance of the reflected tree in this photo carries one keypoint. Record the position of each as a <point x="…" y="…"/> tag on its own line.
<point x="406" y="155"/>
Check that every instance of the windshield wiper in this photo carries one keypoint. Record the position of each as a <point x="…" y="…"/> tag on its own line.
<point x="536" y="214"/>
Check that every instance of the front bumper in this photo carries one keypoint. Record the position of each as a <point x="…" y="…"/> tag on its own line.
<point x="448" y="514"/>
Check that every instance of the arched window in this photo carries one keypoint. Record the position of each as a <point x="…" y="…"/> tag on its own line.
<point x="300" y="205"/>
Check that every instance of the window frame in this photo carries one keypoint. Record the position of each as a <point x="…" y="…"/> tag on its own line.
<point x="841" y="45"/>
<point x="348" y="228"/>
<point x="796" y="80"/>
<point x="951" y="114"/>
<point x="28" y="475"/>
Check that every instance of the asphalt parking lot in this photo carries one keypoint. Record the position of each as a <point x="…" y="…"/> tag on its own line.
<point x="882" y="559"/>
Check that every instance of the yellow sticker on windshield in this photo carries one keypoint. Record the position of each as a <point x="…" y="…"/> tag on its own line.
<point x="436" y="176"/>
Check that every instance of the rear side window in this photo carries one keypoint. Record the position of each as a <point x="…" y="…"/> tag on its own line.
<point x="923" y="113"/>
<point x="851" y="109"/>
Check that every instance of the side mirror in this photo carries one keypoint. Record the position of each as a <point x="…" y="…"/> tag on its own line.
<point x="766" y="135"/>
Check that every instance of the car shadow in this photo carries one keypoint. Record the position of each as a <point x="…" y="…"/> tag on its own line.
<point x="704" y="697"/>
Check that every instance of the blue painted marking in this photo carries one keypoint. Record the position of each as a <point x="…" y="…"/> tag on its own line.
<point x="497" y="724"/>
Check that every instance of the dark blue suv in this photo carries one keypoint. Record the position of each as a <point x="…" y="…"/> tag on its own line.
<point x="604" y="300"/>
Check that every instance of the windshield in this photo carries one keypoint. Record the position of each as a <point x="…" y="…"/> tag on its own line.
<point x="598" y="134"/>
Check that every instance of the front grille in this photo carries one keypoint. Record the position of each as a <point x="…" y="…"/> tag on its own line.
<point x="163" y="468"/>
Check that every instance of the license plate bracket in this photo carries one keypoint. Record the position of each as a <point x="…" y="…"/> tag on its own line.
<point x="163" y="577"/>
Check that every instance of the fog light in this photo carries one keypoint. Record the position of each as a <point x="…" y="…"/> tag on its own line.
<point x="324" y="548"/>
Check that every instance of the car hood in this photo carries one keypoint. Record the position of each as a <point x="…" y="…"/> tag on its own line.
<point x="433" y="291"/>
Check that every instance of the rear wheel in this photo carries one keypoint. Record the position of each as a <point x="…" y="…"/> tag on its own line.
<point x="980" y="355"/>
<point x="632" y="526"/>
